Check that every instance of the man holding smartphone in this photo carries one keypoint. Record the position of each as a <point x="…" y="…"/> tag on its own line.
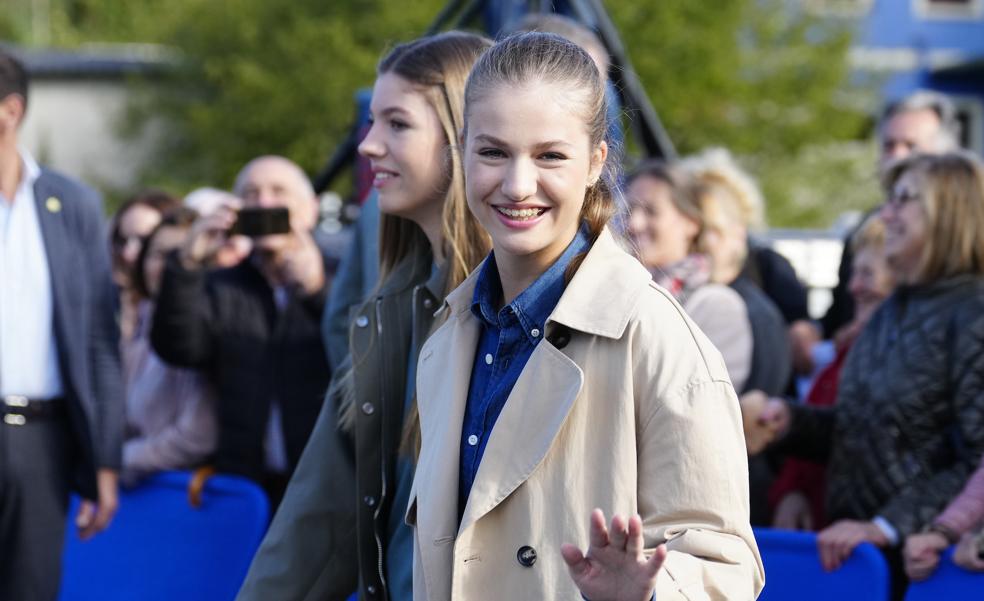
<point x="255" y="327"/>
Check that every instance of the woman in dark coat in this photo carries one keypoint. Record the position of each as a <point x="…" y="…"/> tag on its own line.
<point x="908" y="428"/>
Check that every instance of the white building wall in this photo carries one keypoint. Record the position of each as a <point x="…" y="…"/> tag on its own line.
<point x="73" y="125"/>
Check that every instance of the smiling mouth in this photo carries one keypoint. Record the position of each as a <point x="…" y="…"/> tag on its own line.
<point x="521" y="214"/>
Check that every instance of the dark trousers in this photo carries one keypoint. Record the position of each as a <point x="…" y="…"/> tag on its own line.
<point x="35" y="468"/>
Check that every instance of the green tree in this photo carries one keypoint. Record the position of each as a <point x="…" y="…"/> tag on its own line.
<point x="767" y="81"/>
<point x="250" y="76"/>
<point x="760" y="77"/>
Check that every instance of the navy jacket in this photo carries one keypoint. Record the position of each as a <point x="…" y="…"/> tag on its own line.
<point x="86" y="333"/>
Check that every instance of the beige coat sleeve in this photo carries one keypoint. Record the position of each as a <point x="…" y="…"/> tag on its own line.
<point x="694" y="494"/>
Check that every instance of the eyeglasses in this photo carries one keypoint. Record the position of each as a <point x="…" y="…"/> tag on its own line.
<point x="120" y="242"/>
<point x="897" y="198"/>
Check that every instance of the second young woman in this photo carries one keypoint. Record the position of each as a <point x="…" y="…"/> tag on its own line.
<point x="341" y="522"/>
<point x="564" y="379"/>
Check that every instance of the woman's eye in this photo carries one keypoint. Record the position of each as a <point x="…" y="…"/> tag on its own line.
<point x="552" y="156"/>
<point x="491" y="153"/>
<point x="398" y="125"/>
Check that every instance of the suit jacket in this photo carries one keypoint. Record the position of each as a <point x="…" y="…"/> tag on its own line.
<point x="86" y="332"/>
<point x="227" y="324"/>
<point x="626" y="406"/>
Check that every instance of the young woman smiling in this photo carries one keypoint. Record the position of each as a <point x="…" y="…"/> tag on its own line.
<point x="564" y="379"/>
<point x="341" y="522"/>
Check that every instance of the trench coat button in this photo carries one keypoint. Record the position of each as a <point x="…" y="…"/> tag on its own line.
<point x="370" y="501"/>
<point x="361" y="321"/>
<point x="368" y="409"/>
<point x="526" y="556"/>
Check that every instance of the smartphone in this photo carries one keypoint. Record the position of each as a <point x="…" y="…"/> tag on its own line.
<point x="257" y="222"/>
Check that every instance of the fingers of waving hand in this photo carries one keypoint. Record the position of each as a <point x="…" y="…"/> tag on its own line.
<point x="614" y="566"/>
<point x="599" y="532"/>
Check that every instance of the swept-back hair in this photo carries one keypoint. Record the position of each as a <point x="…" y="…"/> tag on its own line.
<point x="534" y="57"/>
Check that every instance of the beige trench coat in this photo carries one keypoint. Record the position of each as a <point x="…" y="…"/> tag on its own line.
<point x="634" y="415"/>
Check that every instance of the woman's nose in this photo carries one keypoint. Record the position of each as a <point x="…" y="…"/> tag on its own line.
<point x="520" y="181"/>
<point x="370" y="145"/>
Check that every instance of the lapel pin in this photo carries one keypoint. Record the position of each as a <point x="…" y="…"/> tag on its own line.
<point x="52" y="204"/>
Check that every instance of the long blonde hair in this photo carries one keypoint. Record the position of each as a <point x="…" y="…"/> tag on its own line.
<point x="536" y="57"/>
<point x="439" y="66"/>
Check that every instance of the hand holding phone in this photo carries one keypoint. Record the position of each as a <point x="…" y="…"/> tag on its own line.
<point x="208" y="234"/>
<point x="257" y="222"/>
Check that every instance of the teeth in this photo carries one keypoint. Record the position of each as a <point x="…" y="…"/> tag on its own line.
<point x="520" y="213"/>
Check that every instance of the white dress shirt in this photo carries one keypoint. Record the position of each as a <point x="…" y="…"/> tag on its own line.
<point x="28" y="356"/>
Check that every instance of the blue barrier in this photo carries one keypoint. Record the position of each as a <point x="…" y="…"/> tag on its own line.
<point x="949" y="581"/>
<point x="159" y="548"/>
<point x="793" y="570"/>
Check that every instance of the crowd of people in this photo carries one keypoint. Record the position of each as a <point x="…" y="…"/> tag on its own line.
<point x="538" y="372"/>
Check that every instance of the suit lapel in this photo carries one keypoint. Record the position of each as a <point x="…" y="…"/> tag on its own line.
<point x="530" y="420"/>
<point x="51" y="212"/>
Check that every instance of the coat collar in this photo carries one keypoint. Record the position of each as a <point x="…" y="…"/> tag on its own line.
<point x="609" y="277"/>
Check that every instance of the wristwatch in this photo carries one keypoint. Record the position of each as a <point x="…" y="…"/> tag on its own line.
<point x="943" y="530"/>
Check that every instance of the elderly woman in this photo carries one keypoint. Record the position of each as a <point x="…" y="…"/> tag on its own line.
<point x="666" y="225"/>
<point x="908" y="427"/>
<point x="730" y="205"/>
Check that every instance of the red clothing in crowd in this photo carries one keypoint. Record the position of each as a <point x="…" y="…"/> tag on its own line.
<point x="810" y="477"/>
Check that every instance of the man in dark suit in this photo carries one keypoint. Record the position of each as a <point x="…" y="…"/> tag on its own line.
<point x="253" y="328"/>
<point x="60" y="387"/>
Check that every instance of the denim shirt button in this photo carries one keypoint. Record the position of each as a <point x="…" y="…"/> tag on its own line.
<point x="535" y="333"/>
<point x="473" y="440"/>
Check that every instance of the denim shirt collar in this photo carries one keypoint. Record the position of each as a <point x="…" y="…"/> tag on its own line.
<point x="533" y="306"/>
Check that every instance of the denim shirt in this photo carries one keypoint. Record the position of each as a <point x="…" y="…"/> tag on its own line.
<point x="506" y="342"/>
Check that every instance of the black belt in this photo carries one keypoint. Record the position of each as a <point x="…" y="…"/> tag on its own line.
<point x="17" y="410"/>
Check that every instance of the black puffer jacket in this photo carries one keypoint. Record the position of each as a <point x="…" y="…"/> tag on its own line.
<point x="908" y="427"/>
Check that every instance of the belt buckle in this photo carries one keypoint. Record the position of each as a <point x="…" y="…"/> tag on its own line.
<point x="14" y="419"/>
<point x="16" y="400"/>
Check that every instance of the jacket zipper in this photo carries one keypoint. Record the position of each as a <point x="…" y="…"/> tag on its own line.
<point x="382" y="464"/>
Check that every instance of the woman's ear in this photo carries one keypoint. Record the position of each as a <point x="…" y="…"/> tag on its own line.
<point x="598" y="157"/>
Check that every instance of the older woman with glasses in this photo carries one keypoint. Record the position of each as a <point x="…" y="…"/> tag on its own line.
<point x="908" y="427"/>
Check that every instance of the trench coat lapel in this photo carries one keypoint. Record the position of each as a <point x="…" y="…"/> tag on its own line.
<point x="443" y="376"/>
<point x="530" y="420"/>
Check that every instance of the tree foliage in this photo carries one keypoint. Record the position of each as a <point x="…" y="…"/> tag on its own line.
<point x="760" y="77"/>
